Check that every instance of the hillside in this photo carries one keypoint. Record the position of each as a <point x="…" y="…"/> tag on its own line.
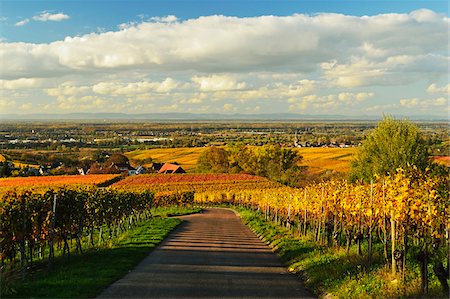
<point x="317" y="159"/>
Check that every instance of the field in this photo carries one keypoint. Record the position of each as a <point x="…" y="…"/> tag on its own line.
<point x="185" y="157"/>
<point x="55" y="181"/>
<point x="318" y="159"/>
<point x="322" y="159"/>
<point x="23" y="165"/>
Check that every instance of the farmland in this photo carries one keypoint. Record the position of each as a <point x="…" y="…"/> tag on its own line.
<point x="166" y="184"/>
<point x="317" y="159"/>
<point x="55" y="181"/>
<point x="322" y="159"/>
<point x="185" y="157"/>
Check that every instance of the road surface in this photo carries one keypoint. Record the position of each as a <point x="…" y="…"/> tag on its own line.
<point x="211" y="255"/>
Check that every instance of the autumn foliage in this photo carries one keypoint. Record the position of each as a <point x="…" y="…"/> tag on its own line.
<point x="54" y="181"/>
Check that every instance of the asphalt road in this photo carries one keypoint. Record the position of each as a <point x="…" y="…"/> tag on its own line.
<point x="211" y="255"/>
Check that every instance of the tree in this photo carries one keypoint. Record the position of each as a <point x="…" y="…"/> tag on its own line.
<point x="393" y="144"/>
<point x="117" y="158"/>
<point x="271" y="161"/>
<point x="5" y="169"/>
<point x="214" y="159"/>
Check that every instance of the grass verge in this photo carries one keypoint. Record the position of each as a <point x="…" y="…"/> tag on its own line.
<point x="334" y="273"/>
<point x="86" y="275"/>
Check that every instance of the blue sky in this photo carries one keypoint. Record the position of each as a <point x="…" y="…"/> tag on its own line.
<point x="312" y="57"/>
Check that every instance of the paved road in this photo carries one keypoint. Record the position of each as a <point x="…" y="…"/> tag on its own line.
<point x="211" y="255"/>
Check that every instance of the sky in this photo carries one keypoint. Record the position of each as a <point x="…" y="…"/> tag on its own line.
<point x="336" y="57"/>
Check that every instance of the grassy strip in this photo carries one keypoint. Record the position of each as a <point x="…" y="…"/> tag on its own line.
<point x="174" y="211"/>
<point x="332" y="272"/>
<point x="86" y="275"/>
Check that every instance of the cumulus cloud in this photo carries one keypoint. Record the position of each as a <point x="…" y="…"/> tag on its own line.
<point x="309" y="63"/>
<point x="45" y="16"/>
<point x="6" y="105"/>
<point x="409" y="102"/>
<point x="22" y="83"/>
<point x="351" y="51"/>
<point x="228" y="107"/>
<point x="433" y="88"/>
<point x="328" y="102"/>
<point x="134" y="88"/>
<point x="301" y="88"/>
<point x="166" y="19"/>
<point x="424" y="103"/>
<point x="218" y="83"/>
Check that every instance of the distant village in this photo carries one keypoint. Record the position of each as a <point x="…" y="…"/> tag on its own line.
<point x="115" y="164"/>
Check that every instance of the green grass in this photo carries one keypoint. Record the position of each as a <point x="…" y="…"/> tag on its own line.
<point x="332" y="272"/>
<point x="86" y="275"/>
<point x="174" y="211"/>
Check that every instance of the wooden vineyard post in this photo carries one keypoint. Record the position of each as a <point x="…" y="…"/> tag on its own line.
<point x="305" y="215"/>
<point x="359" y="233"/>
<point x="51" y="255"/>
<point x="393" y="261"/>
<point x="369" y="246"/>
<point x="385" y="252"/>
<point x="288" y="222"/>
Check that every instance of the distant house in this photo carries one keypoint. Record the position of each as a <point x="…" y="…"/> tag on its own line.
<point x="122" y="167"/>
<point x="171" y="168"/>
<point x="83" y="170"/>
<point x="141" y="170"/>
<point x="32" y="172"/>
<point x="156" y="167"/>
<point x="44" y="170"/>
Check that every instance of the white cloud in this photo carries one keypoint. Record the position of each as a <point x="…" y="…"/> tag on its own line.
<point x="218" y="83"/>
<point x="351" y="51"/>
<point x="22" y="83"/>
<point x="352" y="98"/>
<point x="301" y="88"/>
<point x="433" y="88"/>
<point x="228" y="107"/>
<point x="166" y="19"/>
<point x="47" y="16"/>
<point x="6" y="105"/>
<point x="311" y="63"/>
<point x="44" y="16"/>
<point x="409" y="102"/>
<point x="26" y="107"/>
<point x="22" y="22"/>
<point x="328" y="103"/>
<point x="424" y="104"/>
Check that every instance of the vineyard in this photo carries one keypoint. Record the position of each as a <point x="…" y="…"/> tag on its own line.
<point x="409" y="218"/>
<point x="403" y="214"/>
<point x="401" y="217"/>
<point x="33" y="223"/>
<point x="54" y="181"/>
<point x="37" y="182"/>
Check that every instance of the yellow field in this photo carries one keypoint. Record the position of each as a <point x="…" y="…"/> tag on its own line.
<point x="317" y="159"/>
<point x="321" y="159"/>
<point x="23" y="165"/>
<point x="2" y="158"/>
<point x="185" y="157"/>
